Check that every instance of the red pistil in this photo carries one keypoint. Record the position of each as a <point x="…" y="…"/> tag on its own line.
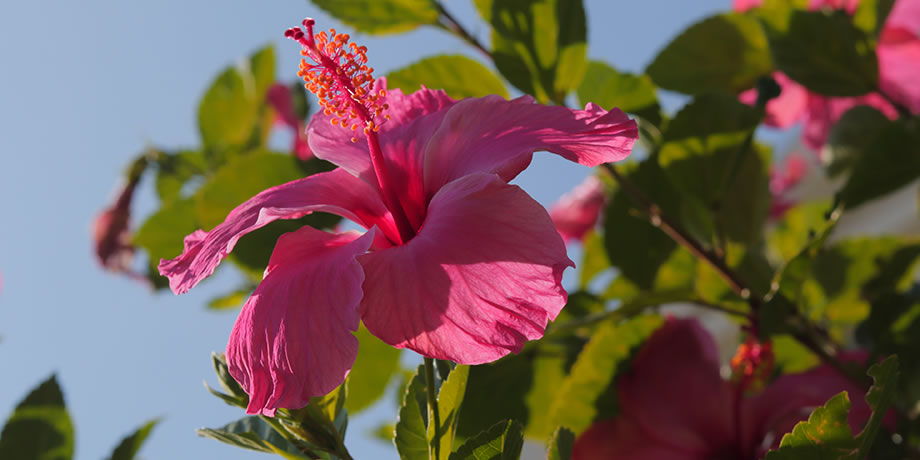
<point x="344" y="83"/>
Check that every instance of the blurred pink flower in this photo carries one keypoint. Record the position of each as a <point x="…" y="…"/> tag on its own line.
<point x="674" y="404"/>
<point x="279" y="97"/>
<point x="790" y="172"/>
<point x="455" y="264"/>
<point x="576" y="213"/>
<point x="111" y="235"/>
<point x="898" y="52"/>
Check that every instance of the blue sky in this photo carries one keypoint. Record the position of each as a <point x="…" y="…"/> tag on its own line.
<point x="87" y="85"/>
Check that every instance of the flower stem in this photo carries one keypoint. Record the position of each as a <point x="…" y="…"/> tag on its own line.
<point x="434" y="444"/>
<point x="449" y="23"/>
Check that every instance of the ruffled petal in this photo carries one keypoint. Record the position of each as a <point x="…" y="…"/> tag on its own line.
<point x="576" y="213"/>
<point x="482" y="276"/>
<point x="823" y="112"/>
<point x="336" y="192"/>
<point x="674" y="390"/>
<point x="488" y="134"/>
<point x="293" y="340"/>
<point x="333" y="143"/>
<point x="623" y="439"/>
<point x="899" y="67"/>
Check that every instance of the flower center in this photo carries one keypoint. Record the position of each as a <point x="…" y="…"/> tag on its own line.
<point x="344" y="84"/>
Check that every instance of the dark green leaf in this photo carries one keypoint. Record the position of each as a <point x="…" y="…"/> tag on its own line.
<point x="870" y="15"/>
<point x="852" y="137"/>
<point x="375" y="366"/>
<point x="880" y="397"/>
<point x="560" y="445"/>
<point x="175" y="170"/>
<point x="40" y="427"/>
<point x="130" y="445"/>
<point x="539" y="45"/>
<point x="381" y="16"/>
<point x="586" y="394"/>
<point x="891" y="160"/>
<point x="824" y="52"/>
<point x="726" y="52"/>
<point x="456" y="74"/>
<point x="411" y="430"/>
<point x="608" y="88"/>
<point x="503" y="441"/>
<point x="253" y="433"/>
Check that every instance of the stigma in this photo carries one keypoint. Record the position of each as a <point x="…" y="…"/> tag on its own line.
<point x="337" y="72"/>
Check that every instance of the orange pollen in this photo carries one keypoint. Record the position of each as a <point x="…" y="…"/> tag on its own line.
<point x="340" y="78"/>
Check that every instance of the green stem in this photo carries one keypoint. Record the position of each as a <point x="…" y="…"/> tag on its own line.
<point x="449" y="23"/>
<point x="434" y="447"/>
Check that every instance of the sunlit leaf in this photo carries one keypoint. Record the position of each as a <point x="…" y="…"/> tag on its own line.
<point x="411" y="430"/>
<point x="375" y="366"/>
<point x="503" y="441"/>
<point x="381" y="16"/>
<point x="609" y="88"/>
<point x="253" y="433"/>
<point x="456" y="74"/>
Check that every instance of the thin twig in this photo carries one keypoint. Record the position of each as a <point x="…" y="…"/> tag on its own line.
<point x="454" y="26"/>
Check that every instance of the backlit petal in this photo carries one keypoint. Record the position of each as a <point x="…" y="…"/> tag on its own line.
<point x="293" y="337"/>
<point x="623" y="439"/>
<point x="576" y="213"/>
<point x="482" y="276"/>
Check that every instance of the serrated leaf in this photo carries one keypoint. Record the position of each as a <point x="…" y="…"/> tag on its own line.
<point x="374" y="367"/>
<point x="411" y="430"/>
<point x="381" y="16"/>
<point x="128" y="448"/>
<point x="40" y="427"/>
<point x="450" y="399"/>
<point x="458" y="75"/>
<point x="230" y="111"/>
<point x="609" y="88"/>
<point x="727" y="52"/>
<point x="880" y="397"/>
<point x="824" y="52"/>
<point x="539" y="45"/>
<point x="560" y="445"/>
<point x="253" y="433"/>
<point x="587" y="393"/>
<point x="503" y="441"/>
<point x="890" y="161"/>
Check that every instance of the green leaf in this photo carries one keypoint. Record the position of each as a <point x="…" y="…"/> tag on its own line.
<point x="609" y="88"/>
<point x="594" y="260"/>
<point x="175" y="170"/>
<point x="161" y="235"/>
<point x="870" y="15"/>
<point x="891" y="161"/>
<point x="375" y="366"/>
<point x="129" y="446"/>
<point x="726" y="52"/>
<point x="231" y="300"/>
<point x="792" y="232"/>
<point x="827" y="435"/>
<point x="253" y="433"/>
<point x="411" y="430"/>
<point x="540" y="45"/>
<point x="587" y="394"/>
<point x="633" y="245"/>
<point x="560" y="445"/>
<point x="230" y="112"/>
<point x="458" y="75"/>
<point x="852" y="137"/>
<point x="792" y="275"/>
<point x="824" y="52"/>
<point x="503" y="441"/>
<point x="450" y="399"/>
<point x="40" y="427"/>
<point x="381" y="16"/>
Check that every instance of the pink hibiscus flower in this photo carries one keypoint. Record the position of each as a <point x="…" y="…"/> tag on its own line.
<point x="455" y="264"/>
<point x="675" y="405"/>
<point x="898" y="53"/>
<point x="279" y="97"/>
<point x="576" y="213"/>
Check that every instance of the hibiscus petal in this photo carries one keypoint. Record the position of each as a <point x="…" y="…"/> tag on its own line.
<point x="899" y="67"/>
<point x="622" y="438"/>
<point x="787" y="108"/>
<point x="336" y="192"/>
<point x="332" y="143"/>
<point x="482" y="276"/>
<point x="293" y="340"/>
<point x="674" y="389"/>
<point x="576" y="213"/>
<point x="488" y="134"/>
<point x="823" y="113"/>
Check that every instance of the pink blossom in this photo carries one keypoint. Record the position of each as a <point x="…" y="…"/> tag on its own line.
<point x="279" y="97"/>
<point x="455" y="264"/>
<point x="576" y="213"/>
<point x="783" y="179"/>
<point x="111" y="235"/>
<point x="898" y="52"/>
<point x="675" y="405"/>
